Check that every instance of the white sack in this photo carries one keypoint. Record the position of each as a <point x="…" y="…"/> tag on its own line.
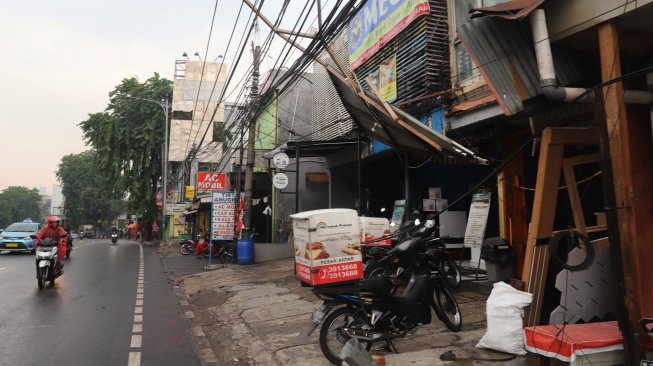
<point x="505" y="310"/>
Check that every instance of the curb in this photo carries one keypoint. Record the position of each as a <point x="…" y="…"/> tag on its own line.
<point x="200" y="343"/>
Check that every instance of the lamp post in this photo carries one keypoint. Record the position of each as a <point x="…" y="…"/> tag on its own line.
<point x="164" y="160"/>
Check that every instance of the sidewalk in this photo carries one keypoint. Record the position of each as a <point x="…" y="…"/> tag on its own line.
<point x="260" y="315"/>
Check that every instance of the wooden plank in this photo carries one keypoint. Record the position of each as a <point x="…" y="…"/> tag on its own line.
<point x="616" y="141"/>
<point x="536" y="261"/>
<point x="574" y="136"/>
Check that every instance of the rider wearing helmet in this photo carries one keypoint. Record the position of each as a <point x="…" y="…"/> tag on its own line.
<point x="55" y="232"/>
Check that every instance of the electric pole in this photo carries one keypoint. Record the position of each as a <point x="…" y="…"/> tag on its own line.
<point x="251" y="154"/>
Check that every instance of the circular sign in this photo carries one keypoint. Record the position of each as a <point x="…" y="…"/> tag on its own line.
<point x="281" y="160"/>
<point x="280" y="180"/>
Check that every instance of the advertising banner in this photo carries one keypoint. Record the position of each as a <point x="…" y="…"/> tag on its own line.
<point x="211" y="181"/>
<point x="373" y="228"/>
<point x="223" y="205"/>
<point x="377" y="22"/>
<point x="388" y="79"/>
<point x="327" y="246"/>
<point x="476" y="223"/>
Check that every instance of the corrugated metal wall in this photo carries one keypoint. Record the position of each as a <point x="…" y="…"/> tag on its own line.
<point x="422" y="56"/>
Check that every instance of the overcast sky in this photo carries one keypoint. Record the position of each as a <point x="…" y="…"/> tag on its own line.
<point x="60" y="59"/>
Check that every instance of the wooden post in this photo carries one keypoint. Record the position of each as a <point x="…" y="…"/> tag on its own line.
<point x="536" y="261"/>
<point x="627" y="135"/>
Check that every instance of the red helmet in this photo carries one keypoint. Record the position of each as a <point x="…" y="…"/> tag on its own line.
<point x="52" y="220"/>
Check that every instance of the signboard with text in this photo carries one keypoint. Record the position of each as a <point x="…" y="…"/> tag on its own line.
<point x="223" y="205"/>
<point x="377" y="22"/>
<point x="211" y="181"/>
<point x="476" y="223"/>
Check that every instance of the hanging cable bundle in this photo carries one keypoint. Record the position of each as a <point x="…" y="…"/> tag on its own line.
<point x="563" y="242"/>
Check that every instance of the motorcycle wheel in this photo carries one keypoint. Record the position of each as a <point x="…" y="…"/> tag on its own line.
<point x="226" y="256"/>
<point x="446" y="308"/>
<point x="40" y="279"/>
<point x="450" y="272"/>
<point x="332" y="338"/>
<point x="68" y="250"/>
<point x="185" y="249"/>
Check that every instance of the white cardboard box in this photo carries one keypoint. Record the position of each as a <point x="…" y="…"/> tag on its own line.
<point x="428" y="205"/>
<point x="441" y="204"/>
<point x="327" y="246"/>
<point x="435" y="192"/>
<point x="373" y="228"/>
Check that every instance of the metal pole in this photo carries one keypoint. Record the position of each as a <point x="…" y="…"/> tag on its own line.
<point x="358" y="160"/>
<point x="297" y="177"/>
<point x="165" y="173"/>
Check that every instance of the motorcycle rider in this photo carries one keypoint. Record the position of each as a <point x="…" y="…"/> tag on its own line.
<point x="55" y="232"/>
<point x="66" y="226"/>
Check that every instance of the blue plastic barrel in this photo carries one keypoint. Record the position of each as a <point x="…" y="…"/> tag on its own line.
<point x="245" y="251"/>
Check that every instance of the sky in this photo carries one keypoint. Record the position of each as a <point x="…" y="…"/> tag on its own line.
<point x="60" y="59"/>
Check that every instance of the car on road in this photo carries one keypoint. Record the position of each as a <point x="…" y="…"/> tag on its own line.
<point x="16" y="237"/>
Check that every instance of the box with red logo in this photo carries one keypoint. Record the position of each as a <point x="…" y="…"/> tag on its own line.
<point x="373" y="228"/>
<point x="327" y="246"/>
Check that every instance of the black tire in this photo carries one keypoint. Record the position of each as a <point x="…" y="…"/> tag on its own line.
<point x="185" y="249"/>
<point x="450" y="272"/>
<point x="226" y="256"/>
<point x="446" y="308"/>
<point x="573" y="237"/>
<point x="332" y="339"/>
<point x="40" y="279"/>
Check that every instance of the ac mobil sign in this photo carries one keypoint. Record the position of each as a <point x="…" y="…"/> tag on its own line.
<point x="210" y="181"/>
<point x="377" y="22"/>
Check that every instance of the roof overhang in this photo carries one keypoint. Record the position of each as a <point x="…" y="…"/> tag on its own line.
<point x="399" y="131"/>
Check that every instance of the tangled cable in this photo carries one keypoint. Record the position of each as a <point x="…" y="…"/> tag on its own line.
<point x="574" y="237"/>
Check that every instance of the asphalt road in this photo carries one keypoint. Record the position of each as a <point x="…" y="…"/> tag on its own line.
<point x="112" y="306"/>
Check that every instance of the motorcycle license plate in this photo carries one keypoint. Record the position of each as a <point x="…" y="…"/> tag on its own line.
<point x="319" y="313"/>
<point x="11" y="245"/>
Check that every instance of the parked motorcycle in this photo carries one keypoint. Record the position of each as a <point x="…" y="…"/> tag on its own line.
<point x="188" y="246"/>
<point x="368" y="310"/>
<point x="48" y="267"/>
<point x="114" y="238"/>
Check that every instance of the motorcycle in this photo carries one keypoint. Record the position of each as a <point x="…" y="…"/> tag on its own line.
<point x="48" y="267"/>
<point x="188" y="246"/>
<point x="369" y="311"/>
<point x="114" y="238"/>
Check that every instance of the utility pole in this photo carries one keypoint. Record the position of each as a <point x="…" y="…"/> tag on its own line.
<point x="251" y="157"/>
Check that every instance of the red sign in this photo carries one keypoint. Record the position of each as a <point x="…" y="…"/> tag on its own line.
<point x="320" y="275"/>
<point x="210" y="181"/>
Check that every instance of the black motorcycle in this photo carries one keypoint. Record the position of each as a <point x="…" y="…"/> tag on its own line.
<point x="369" y="311"/>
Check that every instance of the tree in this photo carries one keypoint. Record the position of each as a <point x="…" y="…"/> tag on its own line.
<point x="128" y="137"/>
<point x="90" y="196"/>
<point x="19" y="203"/>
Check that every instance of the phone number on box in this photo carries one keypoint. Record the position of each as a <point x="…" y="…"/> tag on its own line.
<point x="345" y="274"/>
<point x="343" y="267"/>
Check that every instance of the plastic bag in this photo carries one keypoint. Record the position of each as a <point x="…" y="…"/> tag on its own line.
<point x="505" y="310"/>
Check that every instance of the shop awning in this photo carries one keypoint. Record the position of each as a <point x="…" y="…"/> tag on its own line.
<point x="404" y="131"/>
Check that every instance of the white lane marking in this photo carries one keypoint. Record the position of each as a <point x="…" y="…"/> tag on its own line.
<point x="137" y="341"/>
<point x="137" y="326"/>
<point x="134" y="359"/>
<point x="3" y="268"/>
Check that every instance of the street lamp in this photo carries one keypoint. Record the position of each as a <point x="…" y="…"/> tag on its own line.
<point x="164" y="162"/>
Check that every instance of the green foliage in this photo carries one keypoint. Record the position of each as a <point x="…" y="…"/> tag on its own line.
<point x="128" y="138"/>
<point x="18" y="203"/>
<point x="90" y="195"/>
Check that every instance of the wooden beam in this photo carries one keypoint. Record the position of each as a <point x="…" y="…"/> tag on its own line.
<point x="536" y="261"/>
<point x="574" y="136"/>
<point x="572" y="189"/>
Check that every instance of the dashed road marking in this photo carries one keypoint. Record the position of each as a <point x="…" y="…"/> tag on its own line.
<point x="137" y="327"/>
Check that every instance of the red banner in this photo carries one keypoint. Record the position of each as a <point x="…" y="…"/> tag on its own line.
<point x="211" y="181"/>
